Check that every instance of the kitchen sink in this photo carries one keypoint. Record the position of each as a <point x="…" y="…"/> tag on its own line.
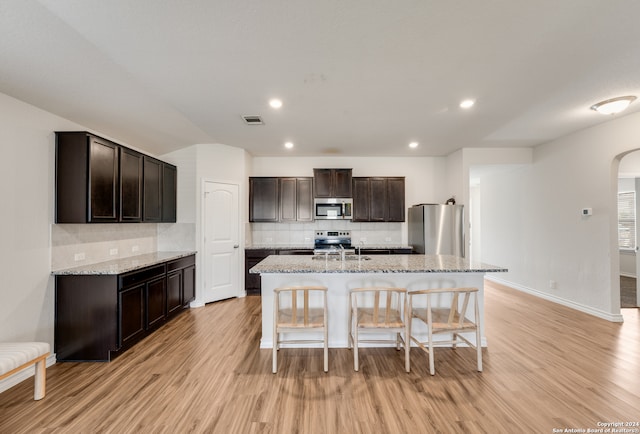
<point x="334" y="257"/>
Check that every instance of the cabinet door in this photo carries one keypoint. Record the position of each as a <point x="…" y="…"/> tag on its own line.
<point x="288" y="200"/>
<point x="131" y="314"/>
<point x="131" y="163"/>
<point x="188" y="284"/>
<point x="378" y="200"/>
<point x="252" y="282"/>
<point x="174" y="291"/>
<point x="361" y="199"/>
<point x="103" y="181"/>
<point x="263" y="200"/>
<point x="395" y="189"/>
<point x="342" y="182"/>
<point x="156" y="301"/>
<point x="332" y="182"/>
<point x="169" y="193"/>
<point x="322" y="182"/>
<point x="152" y="210"/>
<point x="304" y="199"/>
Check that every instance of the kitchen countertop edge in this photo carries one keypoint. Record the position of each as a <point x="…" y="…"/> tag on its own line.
<point x="284" y="247"/>
<point x="377" y="264"/>
<point x="123" y="265"/>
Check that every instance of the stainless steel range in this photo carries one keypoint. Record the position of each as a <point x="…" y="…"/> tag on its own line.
<point x="333" y="242"/>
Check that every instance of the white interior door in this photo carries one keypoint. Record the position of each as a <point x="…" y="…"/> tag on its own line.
<point x="221" y="242"/>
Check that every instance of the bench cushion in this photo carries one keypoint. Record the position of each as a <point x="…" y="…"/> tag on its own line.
<point x="14" y="355"/>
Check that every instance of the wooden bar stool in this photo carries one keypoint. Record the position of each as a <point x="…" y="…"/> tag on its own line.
<point x="449" y="319"/>
<point x="375" y="309"/>
<point x="292" y="314"/>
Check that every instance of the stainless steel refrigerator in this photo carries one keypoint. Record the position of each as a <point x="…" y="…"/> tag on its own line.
<point x="437" y="229"/>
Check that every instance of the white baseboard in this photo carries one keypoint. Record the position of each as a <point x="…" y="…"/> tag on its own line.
<point x="20" y="376"/>
<point x="196" y="303"/>
<point x="559" y="300"/>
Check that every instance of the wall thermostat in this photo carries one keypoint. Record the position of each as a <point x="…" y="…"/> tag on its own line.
<point x="587" y="211"/>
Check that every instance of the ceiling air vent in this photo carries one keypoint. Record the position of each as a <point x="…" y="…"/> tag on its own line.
<point x="252" y="120"/>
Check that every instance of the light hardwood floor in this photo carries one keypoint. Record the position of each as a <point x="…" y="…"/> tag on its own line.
<point x="546" y="367"/>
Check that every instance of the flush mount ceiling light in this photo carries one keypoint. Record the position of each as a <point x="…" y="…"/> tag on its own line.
<point x="288" y="145"/>
<point x="467" y="103"/>
<point x="613" y="105"/>
<point x="275" y="103"/>
<point x="413" y="145"/>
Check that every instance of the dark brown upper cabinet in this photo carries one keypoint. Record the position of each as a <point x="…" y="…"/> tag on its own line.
<point x="169" y="193"/>
<point x="378" y="199"/>
<point x="264" y="199"/>
<point x="332" y="182"/>
<point x="296" y="199"/>
<point x="152" y="209"/>
<point x="131" y="176"/>
<point x="273" y="199"/>
<point x="99" y="181"/>
<point x="86" y="179"/>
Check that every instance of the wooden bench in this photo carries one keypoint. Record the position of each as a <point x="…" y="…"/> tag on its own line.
<point x="16" y="356"/>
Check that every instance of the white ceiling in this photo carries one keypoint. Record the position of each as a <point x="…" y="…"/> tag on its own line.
<point x="357" y="77"/>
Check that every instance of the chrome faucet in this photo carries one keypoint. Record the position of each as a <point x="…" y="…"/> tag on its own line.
<point x="342" y="252"/>
<point x="360" y="248"/>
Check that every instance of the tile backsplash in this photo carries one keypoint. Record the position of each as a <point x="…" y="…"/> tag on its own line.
<point x="302" y="234"/>
<point x="73" y="245"/>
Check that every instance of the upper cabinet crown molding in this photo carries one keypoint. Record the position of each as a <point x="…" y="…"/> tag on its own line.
<point x="99" y="181"/>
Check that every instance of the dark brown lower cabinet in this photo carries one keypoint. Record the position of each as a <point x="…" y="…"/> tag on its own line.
<point x="100" y="316"/>
<point x="156" y="302"/>
<point x="131" y="319"/>
<point x="251" y="258"/>
<point x="174" y="291"/>
<point x="252" y="283"/>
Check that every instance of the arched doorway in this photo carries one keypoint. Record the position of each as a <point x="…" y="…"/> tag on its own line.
<point x="629" y="228"/>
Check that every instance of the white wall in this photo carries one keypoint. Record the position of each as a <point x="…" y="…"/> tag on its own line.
<point x="531" y="221"/>
<point x="26" y="187"/>
<point x="424" y="176"/>
<point x="205" y="162"/>
<point x="425" y="182"/>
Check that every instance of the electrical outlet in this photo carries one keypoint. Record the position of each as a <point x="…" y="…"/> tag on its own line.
<point x="78" y="257"/>
<point x="135" y="248"/>
<point x="113" y="252"/>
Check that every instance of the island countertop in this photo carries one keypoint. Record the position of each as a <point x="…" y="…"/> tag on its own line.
<point x="277" y="264"/>
<point x="123" y="265"/>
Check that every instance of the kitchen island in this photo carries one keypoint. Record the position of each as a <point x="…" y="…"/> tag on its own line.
<point x="339" y="276"/>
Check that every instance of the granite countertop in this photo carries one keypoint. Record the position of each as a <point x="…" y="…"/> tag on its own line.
<point x="376" y="264"/>
<point x="311" y="247"/>
<point x="123" y="265"/>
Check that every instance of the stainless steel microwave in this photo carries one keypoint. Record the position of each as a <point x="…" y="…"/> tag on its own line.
<point x="333" y="209"/>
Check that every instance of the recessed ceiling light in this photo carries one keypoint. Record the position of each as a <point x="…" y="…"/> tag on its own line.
<point x="288" y="145"/>
<point x="467" y="103"/>
<point x="275" y="103"/>
<point x="613" y="105"/>
<point x="413" y="144"/>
